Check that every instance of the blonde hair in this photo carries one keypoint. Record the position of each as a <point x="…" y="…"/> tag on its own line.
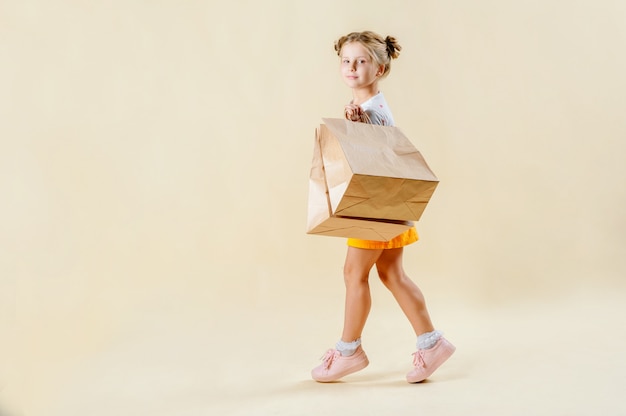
<point x="382" y="50"/>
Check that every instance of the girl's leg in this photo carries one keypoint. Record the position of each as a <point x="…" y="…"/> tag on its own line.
<point x="356" y="270"/>
<point x="349" y="357"/>
<point x="406" y="293"/>
<point x="432" y="349"/>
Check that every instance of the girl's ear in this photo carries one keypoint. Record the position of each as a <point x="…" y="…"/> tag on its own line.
<point x="381" y="70"/>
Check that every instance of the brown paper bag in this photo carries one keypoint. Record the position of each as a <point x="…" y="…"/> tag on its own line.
<point x="374" y="171"/>
<point x="321" y="221"/>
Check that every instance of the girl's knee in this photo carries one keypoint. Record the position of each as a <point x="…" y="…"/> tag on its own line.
<point x="390" y="276"/>
<point x="383" y="275"/>
<point x="355" y="276"/>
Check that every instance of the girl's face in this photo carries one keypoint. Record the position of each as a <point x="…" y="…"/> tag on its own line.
<point x="358" y="69"/>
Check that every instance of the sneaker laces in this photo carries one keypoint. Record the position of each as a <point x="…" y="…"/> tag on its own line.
<point x="330" y="356"/>
<point x="418" y="359"/>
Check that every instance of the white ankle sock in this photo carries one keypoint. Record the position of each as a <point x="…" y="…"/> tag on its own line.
<point x="347" y="348"/>
<point x="428" y="340"/>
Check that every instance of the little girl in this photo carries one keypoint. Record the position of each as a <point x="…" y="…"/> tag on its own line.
<point x="365" y="59"/>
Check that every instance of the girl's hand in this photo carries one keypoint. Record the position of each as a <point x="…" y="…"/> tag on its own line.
<point x="353" y="112"/>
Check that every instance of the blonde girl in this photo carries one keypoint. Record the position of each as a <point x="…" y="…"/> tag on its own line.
<point x="365" y="59"/>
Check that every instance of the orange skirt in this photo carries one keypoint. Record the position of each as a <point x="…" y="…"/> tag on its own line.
<point x="408" y="237"/>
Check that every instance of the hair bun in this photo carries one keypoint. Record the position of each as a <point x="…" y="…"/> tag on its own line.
<point x="393" y="48"/>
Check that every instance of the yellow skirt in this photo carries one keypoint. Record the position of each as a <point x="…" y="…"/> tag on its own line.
<point x="408" y="237"/>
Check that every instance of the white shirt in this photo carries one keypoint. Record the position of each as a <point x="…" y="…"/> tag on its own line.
<point x="378" y="110"/>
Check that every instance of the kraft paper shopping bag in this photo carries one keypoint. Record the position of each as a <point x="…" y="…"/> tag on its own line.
<point x="374" y="171"/>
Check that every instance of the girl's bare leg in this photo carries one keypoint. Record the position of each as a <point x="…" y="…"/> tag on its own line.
<point x="406" y="293"/>
<point x="356" y="270"/>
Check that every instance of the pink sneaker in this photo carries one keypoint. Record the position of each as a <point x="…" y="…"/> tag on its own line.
<point x="427" y="361"/>
<point x="336" y="366"/>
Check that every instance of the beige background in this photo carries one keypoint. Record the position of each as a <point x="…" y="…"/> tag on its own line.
<point x="154" y="164"/>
